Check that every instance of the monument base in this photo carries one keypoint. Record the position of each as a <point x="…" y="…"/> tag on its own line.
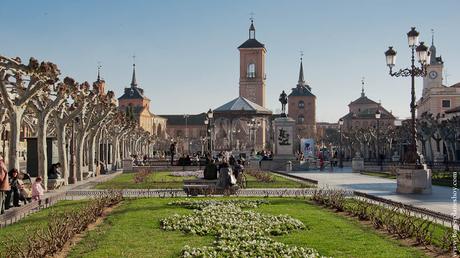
<point x="357" y="164"/>
<point x="413" y="181"/>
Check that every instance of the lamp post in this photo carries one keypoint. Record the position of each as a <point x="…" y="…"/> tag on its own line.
<point x="253" y="125"/>
<point x="340" y="143"/>
<point x="377" y="117"/>
<point x="235" y="132"/>
<point x="397" y="124"/>
<point x="413" y="71"/>
<point x="208" y="122"/>
<point x="186" y="133"/>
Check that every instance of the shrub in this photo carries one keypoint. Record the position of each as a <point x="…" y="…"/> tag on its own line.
<point x="261" y="176"/>
<point x="48" y="240"/>
<point x="141" y="176"/>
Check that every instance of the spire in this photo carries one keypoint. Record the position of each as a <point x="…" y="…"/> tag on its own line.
<point x="252" y="29"/>
<point x="362" y="88"/>
<point x="99" y="66"/>
<point x="301" y="78"/>
<point x="432" y="49"/>
<point x="133" y="80"/>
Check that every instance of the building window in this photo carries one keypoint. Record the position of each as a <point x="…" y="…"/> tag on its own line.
<point x="301" y="104"/>
<point x="300" y="119"/>
<point x="446" y="103"/>
<point x="251" y="70"/>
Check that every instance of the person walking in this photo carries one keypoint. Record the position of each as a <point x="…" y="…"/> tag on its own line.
<point x="172" y="150"/>
<point x="4" y="185"/>
<point x="37" y="189"/>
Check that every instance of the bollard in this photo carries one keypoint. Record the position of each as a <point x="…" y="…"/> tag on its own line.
<point x="288" y="166"/>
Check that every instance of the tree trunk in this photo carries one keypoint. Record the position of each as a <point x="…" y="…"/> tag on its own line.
<point x="92" y="150"/>
<point x="42" y="149"/>
<point x="79" y="146"/>
<point x="15" y="130"/>
<point x="61" y="144"/>
<point x="115" y="153"/>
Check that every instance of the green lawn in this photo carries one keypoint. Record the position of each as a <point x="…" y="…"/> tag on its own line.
<point x="163" y="180"/>
<point x="438" y="178"/>
<point x="155" y="180"/>
<point x="36" y="220"/>
<point x="133" y="230"/>
<point x="279" y="182"/>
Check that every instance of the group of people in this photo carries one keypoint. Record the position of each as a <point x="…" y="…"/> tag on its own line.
<point x="13" y="190"/>
<point x="227" y="170"/>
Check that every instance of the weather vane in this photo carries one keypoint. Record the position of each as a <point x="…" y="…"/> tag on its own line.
<point x="134" y="60"/>
<point x="252" y="16"/>
<point x="301" y="55"/>
<point x="99" y="66"/>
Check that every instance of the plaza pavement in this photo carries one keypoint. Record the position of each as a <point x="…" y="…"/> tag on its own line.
<point x="439" y="200"/>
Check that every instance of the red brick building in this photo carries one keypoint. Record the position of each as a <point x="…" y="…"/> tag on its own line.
<point x="302" y="107"/>
<point x="136" y="104"/>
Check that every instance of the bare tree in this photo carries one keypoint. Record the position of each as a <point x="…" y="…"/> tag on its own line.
<point x="44" y="106"/>
<point x="19" y="84"/>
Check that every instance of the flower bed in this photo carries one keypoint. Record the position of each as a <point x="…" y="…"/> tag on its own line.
<point x="240" y="233"/>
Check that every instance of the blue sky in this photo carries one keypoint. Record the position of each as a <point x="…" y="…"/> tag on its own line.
<point x="186" y="51"/>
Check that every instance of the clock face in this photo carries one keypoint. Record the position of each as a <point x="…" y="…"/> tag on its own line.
<point x="433" y="74"/>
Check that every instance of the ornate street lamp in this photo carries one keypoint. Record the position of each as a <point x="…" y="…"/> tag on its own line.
<point x="253" y="125"/>
<point x="340" y="144"/>
<point x="414" y="71"/>
<point x="208" y="121"/>
<point x="377" y="117"/>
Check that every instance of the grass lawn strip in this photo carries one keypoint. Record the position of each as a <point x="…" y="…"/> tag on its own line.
<point x="165" y="180"/>
<point x="37" y="220"/>
<point x="133" y="230"/>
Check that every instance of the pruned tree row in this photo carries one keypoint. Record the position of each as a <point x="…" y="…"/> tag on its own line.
<point x="83" y="119"/>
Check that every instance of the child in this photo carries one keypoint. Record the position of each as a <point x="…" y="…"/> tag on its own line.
<point x="37" y="189"/>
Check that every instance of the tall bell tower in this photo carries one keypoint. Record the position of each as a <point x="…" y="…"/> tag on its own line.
<point x="252" y="68"/>
<point x="433" y="78"/>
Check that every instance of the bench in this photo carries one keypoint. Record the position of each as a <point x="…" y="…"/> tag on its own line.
<point x="57" y="183"/>
<point x="88" y="174"/>
<point x="202" y="186"/>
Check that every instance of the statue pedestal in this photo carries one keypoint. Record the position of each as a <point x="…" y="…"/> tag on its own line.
<point x="413" y="181"/>
<point x="283" y="128"/>
<point x="283" y="149"/>
<point x="357" y="164"/>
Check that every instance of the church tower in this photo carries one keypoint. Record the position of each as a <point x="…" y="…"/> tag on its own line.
<point x="433" y="79"/>
<point x="252" y="68"/>
<point x="302" y="107"/>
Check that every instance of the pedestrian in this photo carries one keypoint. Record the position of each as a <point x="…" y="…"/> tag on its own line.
<point x="4" y="185"/>
<point x="37" y="189"/>
<point x="15" y="189"/>
<point x="172" y="150"/>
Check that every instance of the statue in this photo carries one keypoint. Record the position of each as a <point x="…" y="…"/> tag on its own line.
<point x="284" y="100"/>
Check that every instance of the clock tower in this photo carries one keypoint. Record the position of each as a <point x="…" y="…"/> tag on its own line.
<point x="433" y="79"/>
<point x="252" y="68"/>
